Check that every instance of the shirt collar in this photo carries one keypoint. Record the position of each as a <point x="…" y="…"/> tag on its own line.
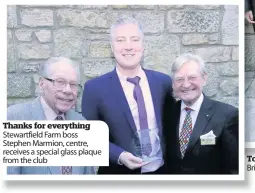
<point x="122" y="77"/>
<point x="49" y="113"/>
<point x="196" y="106"/>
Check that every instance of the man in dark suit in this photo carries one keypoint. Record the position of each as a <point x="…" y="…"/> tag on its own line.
<point x="201" y="134"/>
<point x="249" y="11"/>
<point x="130" y="100"/>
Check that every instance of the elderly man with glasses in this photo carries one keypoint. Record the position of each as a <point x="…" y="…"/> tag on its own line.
<point x="201" y="133"/>
<point x="59" y="84"/>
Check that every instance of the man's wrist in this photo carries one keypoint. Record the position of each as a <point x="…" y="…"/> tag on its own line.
<point x="119" y="162"/>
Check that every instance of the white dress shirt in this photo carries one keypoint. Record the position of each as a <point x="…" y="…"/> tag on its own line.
<point x="128" y="89"/>
<point x="49" y="113"/>
<point x="195" y="110"/>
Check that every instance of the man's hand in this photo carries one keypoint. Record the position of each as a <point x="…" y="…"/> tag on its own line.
<point x="131" y="161"/>
<point x="249" y="17"/>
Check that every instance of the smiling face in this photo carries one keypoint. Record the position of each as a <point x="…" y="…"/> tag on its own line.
<point x="188" y="82"/>
<point x="60" y="99"/>
<point x="127" y="46"/>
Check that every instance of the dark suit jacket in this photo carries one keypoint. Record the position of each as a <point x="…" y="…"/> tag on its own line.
<point x="250" y="5"/>
<point x="104" y="99"/>
<point x="221" y="158"/>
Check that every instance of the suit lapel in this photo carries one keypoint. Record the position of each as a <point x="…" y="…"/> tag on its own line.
<point x="77" y="170"/>
<point x="155" y="92"/>
<point x="204" y="116"/>
<point x="120" y="98"/>
<point x="37" y="110"/>
<point x="70" y="116"/>
<point x="176" y="119"/>
<point x="54" y="169"/>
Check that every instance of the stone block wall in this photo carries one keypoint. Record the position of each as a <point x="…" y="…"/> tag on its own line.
<point x="81" y="32"/>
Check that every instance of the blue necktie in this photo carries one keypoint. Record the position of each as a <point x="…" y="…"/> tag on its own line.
<point x="145" y="135"/>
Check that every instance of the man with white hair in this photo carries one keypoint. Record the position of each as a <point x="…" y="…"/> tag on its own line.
<point x="202" y="134"/>
<point x="59" y="84"/>
<point x="130" y="100"/>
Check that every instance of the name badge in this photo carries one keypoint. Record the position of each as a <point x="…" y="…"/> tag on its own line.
<point x="208" y="139"/>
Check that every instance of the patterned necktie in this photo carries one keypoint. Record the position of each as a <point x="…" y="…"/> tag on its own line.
<point x="64" y="169"/>
<point x="67" y="169"/>
<point x="145" y="135"/>
<point x="59" y="118"/>
<point x="185" y="132"/>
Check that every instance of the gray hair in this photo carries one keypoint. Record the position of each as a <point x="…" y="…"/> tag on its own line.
<point x="44" y="67"/>
<point x="184" y="58"/>
<point x="122" y="20"/>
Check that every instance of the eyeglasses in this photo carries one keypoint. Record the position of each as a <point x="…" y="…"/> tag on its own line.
<point x="181" y="80"/>
<point x="61" y="83"/>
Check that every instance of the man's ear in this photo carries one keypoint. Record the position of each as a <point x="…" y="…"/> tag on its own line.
<point x="143" y="49"/>
<point x="111" y="43"/>
<point x="41" y="84"/>
<point x="205" y="77"/>
<point x="143" y="43"/>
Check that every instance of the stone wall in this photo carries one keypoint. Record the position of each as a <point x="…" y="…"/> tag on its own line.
<point x="81" y="32"/>
<point x="249" y="83"/>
